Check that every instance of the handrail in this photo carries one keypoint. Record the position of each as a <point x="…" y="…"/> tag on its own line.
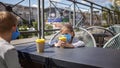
<point x="60" y="3"/>
<point x="36" y="31"/>
<point x="92" y="3"/>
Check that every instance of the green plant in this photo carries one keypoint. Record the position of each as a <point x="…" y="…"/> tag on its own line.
<point x="105" y="25"/>
<point x="23" y="28"/>
<point x="116" y="10"/>
<point x="48" y="27"/>
<point x="35" y="25"/>
<point x="25" y="22"/>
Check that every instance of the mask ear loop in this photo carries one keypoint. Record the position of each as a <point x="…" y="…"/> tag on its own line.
<point x="71" y="39"/>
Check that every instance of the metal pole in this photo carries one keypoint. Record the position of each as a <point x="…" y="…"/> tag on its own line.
<point x="42" y="19"/>
<point x="118" y="17"/>
<point x="74" y="14"/>
<point x="114" y="18"/>
<point x="109" y="17"/>
<point x="70" y="16"/>
<point x="112" y="21"/>
<point x="91" y="14"/>
<point x="39" y="25"/>
<point x="102" y="16"/>
<point x="49" y="8"/>
<point x="29" y="13"/>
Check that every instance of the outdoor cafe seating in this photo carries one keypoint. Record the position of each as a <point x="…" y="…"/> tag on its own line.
<point x="90" y="56"/>
<point x="81" y="34"/>
<point x="52" y="57"/>
<point x="101" y="34"/>
<point x="102" y="45"/>
<point x="115" y="28"/>
<point x="113" y="43"/>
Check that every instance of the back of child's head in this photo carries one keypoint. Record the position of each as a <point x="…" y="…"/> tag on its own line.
<point x="7" y="21"/>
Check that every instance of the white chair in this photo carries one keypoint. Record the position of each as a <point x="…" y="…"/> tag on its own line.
<point x="101" y="34"/>
<point x="113" y="43"/>
<point x="115" y="29"/>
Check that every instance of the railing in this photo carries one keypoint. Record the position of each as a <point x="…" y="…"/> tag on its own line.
<point x="41" y="20"/>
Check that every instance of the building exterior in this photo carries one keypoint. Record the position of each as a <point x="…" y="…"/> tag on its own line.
<point x="24" y="11"/>
<point x="56" y="14"/>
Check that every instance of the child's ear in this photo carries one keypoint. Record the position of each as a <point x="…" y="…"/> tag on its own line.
<point x="73" y="34"/>
<point x="14" y="28"/>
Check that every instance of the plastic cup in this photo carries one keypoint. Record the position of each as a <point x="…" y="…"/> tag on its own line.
<point x="62" y="38"/>
<point x="40" y="45"/>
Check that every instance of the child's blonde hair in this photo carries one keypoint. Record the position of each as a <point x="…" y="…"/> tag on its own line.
<point x="7" y="21"/>
<point x="67" y="26"/>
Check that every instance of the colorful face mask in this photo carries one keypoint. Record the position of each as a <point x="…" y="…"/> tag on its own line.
<point x="15" y="34"/>
<point x="68" y="36"/>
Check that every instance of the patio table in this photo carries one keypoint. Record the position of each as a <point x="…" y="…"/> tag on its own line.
<point x="28" y="51"/>
<point x="84" y="57"/>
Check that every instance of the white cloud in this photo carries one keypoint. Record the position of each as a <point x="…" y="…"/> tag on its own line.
<point x="84" y="2"/>
<point x="34" y="5"/>
<point x="98" y="1"/>
<point x="57" y="0"/>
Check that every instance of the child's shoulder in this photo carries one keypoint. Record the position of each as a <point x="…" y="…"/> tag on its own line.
<point x="75" y="40"/>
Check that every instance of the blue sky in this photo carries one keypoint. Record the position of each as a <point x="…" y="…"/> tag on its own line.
<point x="34" y="2"/>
